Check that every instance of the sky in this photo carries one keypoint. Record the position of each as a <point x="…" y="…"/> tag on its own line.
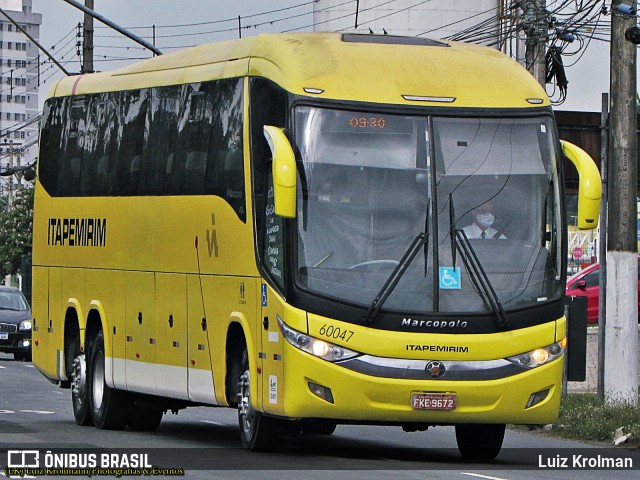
<point x="588" y="77"/>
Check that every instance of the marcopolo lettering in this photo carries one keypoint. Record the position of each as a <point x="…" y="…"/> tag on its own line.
<point x="413" y="323"/>
<point x="77" y="232"/>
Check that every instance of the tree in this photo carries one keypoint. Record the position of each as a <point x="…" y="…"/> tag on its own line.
<point x="16" y="225"/>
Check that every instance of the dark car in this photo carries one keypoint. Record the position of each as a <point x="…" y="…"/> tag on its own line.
<point x="586" y="283"/>
<point x="15" y="323"/>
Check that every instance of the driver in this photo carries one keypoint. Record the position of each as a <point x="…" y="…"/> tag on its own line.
<point x="482" y="224"/>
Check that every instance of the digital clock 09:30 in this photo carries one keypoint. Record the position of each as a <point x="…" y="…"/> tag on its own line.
<point x="368" y="122"/>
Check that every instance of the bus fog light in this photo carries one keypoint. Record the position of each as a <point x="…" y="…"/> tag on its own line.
<point x="321" y="391"/>
<point x="26" y="343"/>
<point x="537" y="397"/>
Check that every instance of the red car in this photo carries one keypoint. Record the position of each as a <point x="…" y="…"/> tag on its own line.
<point x="586" y="283"/>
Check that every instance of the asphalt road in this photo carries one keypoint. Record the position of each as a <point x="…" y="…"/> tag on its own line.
<point x="36" y="416"/>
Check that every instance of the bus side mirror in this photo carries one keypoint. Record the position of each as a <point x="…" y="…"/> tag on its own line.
<point x="589" y="185"/>
<point x="284" y="172"/>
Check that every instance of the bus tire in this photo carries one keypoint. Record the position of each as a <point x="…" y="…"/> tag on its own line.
<point x="144" y="419"/>
<point x="110" y="408"/>
<point x="76" y="368"/>
<point x="318" y="427"/>
<point x="80" y="392"/>
<point x="258" y="432"/>
<point x="480" y="441"/>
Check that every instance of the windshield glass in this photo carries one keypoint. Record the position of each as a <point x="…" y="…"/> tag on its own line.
<point x="10" y="300"/>
<point x="372" y="182"/>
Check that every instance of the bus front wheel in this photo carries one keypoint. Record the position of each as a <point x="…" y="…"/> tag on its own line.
<point x="480" y="441"/>
<point x="257" y="431"/>
<point x="110" y="408"/>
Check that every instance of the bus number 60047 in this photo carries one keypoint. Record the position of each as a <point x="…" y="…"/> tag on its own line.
<point x="335" y="332"/>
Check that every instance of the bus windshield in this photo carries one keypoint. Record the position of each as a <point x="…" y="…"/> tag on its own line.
<point x="372" y="182"/>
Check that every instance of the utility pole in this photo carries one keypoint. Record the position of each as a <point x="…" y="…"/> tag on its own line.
<point x="621" y="334"/>
<point x="602" y="242"/>
<point x="535" y="24"/>
<point x="87" y="48"/>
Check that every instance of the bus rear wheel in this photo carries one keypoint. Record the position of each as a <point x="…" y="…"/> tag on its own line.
<point x="480" y="441"/>
<point x="80" y="392"/>
<point x="111" y="409"/>
<point x="145" y="419"/>
<point x="257" y="431"/>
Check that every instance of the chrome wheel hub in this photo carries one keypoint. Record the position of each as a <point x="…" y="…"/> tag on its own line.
<point x="79" y="378"/>
<point x="245" y="411"/>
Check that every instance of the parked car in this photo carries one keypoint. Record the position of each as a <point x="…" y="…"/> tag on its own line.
<point x="586" y="283"/>
<point x="15" y="323"/>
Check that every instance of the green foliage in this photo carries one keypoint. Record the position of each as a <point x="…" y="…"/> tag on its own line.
<point x="16" y="227"/>
<point x="585" y="417"/>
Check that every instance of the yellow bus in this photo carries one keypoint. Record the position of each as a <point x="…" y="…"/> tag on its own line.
<point x="285" y="224"/>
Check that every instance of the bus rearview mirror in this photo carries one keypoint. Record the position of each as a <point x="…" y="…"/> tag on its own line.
<point x="284" y="171"/>
<point x="589" y="186"/>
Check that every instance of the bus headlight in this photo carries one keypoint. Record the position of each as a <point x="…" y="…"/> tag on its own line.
<point x="316" y="347"/>
<point x="25" y="325"/>
<point x="540" y="356"/>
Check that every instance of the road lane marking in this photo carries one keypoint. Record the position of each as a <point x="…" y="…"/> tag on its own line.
<point x="488" y="477"/>
<point x="215" y="423"/>
<point x="40" y="412"/>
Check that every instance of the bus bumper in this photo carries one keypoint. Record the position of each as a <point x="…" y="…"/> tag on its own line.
<point x="364" y="398"/>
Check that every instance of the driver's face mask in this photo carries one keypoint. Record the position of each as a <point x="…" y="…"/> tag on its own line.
<point x="485" y="219"/>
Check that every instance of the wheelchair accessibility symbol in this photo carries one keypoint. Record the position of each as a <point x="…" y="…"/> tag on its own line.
<point x="450" y="278"/>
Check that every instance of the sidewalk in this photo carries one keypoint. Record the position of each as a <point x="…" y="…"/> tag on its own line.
<point x="591" y="383"/>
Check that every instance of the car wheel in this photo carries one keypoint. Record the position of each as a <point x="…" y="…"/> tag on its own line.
<point x="111" y="409"/>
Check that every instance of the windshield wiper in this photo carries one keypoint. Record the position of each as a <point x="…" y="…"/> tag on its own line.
<point x="481" y="282"/>
<point x="480" y="278"/>
<point x="420" y="240"/>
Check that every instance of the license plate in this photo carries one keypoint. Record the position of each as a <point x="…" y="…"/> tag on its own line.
<point x="433" y="401"/>
<point x="4" y="336"/>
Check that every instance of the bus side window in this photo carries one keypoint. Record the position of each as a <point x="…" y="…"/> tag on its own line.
<point x="51" y="143"/>
<point x="155" y="164"/>
<point x="268" y="106"/>
<point x="125" y="179"/>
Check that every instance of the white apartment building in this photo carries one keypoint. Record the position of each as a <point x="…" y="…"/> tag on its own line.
<point x="19" y="79"/>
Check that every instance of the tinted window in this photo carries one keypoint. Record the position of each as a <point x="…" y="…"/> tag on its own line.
<point x="176" y="140"/>
<point x="592" y="278"/>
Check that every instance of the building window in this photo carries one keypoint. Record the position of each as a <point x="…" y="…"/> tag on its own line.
<point x="9" y="28"/>
<point x="8" y="116"/>
<point x="10" y="45"/>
